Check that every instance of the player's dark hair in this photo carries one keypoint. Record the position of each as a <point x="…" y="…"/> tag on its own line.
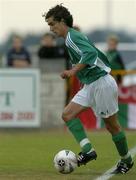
<point x="60" y="13"/>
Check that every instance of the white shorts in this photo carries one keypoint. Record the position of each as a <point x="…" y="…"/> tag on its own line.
<point x="101" y="96"/>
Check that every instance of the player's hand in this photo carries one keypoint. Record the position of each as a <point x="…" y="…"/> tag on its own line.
<point x="66" y="74"/>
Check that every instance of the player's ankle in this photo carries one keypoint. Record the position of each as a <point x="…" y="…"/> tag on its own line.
<point x="127" y="159"/>
<point x="85" y="145"/>
<point x="87" y="150"/>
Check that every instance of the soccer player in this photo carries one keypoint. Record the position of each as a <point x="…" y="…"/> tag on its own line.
<point x="99" y="91"/>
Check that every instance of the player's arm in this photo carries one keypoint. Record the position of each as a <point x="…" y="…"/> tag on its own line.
<point x="86" y="51"/>
<point x="73" y="71"/>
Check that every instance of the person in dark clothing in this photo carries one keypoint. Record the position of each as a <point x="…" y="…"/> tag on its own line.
<point x="18" y="56"/>
<point x="49" y="49"/>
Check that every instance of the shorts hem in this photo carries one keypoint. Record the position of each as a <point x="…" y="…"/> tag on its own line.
<point x="108" y="115"/>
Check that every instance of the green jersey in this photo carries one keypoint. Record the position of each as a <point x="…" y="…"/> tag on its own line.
<point x="82" y="51"/>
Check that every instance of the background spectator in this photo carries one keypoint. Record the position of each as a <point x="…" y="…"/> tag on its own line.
<point x="49" y="48"/>
<point x="113" y="54"/>
<point x="18" y="56"/>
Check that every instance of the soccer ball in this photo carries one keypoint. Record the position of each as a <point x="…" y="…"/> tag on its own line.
<point x="65" y="161"/>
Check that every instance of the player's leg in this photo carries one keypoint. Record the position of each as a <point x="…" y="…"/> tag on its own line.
<point x="107" y="108"/>
<point x="119" y="138"/>
<point x="76" y="128"/>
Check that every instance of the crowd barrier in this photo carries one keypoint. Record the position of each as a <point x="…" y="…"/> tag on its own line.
<point x="19" y="98"/>
<point x="31" y="99"/>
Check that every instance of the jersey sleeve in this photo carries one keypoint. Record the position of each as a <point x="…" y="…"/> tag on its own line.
<point x="86" y="51"/>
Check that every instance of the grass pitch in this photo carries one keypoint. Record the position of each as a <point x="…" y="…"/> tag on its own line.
<point x="29" y="155"/>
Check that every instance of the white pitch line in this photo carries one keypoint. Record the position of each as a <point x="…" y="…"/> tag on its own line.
<point x="107" y="175"/>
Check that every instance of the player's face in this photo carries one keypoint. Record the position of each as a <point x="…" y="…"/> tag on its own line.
<point x="56" y="27"/>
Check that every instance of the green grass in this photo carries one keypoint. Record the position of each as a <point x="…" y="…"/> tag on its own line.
<point x="29" y="155"/>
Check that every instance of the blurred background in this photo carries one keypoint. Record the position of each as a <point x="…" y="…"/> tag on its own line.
<point x="32" y="94"/>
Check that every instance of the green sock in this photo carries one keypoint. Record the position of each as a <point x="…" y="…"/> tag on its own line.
<point x="122" y="147"/>
<point x="76" y="128"/>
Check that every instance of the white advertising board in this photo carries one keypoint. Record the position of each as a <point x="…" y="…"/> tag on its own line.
<point x="19" y="98"/>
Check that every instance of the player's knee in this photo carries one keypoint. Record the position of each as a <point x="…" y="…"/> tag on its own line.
<point x="113" y="129"/>
<point x="66" y="116"/>
<point x="109" y="128"/>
